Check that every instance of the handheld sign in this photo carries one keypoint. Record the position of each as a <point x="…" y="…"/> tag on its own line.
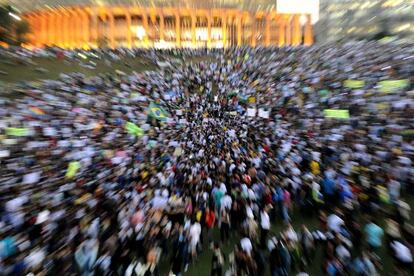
<point x="336" y="113"/>
<point x="392" y="85"/>
<point x="354" y="83"/>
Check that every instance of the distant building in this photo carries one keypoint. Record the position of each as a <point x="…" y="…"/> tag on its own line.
<point x="168" y="23"/>
<point x="370" y="19"/>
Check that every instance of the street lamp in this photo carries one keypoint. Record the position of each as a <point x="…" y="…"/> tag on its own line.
<point x="15" y="16"/>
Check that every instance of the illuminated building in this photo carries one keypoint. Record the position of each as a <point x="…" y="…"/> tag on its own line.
<point x="163" y="24"/>
<point x="370" y="19"/>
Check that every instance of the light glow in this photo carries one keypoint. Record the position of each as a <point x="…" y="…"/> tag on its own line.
<point x="15" y="16"/>
<point x="82" y="56"/>
<point x="140" y="32"/>
<point x="299" y="7"/>
<point x="302" y="20"/>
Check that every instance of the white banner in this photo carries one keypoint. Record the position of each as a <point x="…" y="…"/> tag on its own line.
<point x="264" y="113"/>
<point x="251" y="112"/>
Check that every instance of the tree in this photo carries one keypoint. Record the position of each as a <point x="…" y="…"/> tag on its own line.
<point x="12" y="31"/>
<point x="5" y="23"/>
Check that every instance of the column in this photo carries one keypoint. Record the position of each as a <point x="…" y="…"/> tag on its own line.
<point x="55" y="29"/>
<point x="58" y="28"/>
<point x="209" y="19"/>
<point x="94" y="27"/>
<point x="38" y="32"/>
<point x="230" y="30"/>
<point x="178" y="30"/>
<point x="72" y="30"/>
<point x="65" y="30"/>
<point x="282" y="33"/>
<point x="296" y="36"/>
<point x="73" y="21"/>
<point x="81" y="26"/>
<point x="50" y="28"/>
<point x="145" y="25"/>
<point x="43" y="28"/>
<point x="162" y="27"/>
<point x="289" y="31"/>
<point x="49" y="32"/>
<point x="111" y="30"/>
<point x="129" y="31"/>
<point x="253" y="42"/>
<point x="308" y="37"/>
<point x="76" y="26"/>
<point x="224" y="30"/>
<point x="193" y="29"/>
<point x="86" y="29"/>
<point x="239" y="29"/>
<point x="233" y="30"/>
<point x="152" y="15"/>
<point x="267" y="30"/>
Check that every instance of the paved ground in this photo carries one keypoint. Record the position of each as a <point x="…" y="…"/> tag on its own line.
<point x="202" y="266"/>
<point x="16" y="72"/>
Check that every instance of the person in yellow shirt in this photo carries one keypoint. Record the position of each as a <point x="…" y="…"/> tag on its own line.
<point x="315" y="168"/>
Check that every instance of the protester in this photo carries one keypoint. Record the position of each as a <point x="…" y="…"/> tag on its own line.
<point x="115" y="174"/>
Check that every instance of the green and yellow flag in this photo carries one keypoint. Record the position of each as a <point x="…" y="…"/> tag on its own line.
<point x="157" y="112"/>
<point x="133" y="129"/>
<point x="72" y="169"/>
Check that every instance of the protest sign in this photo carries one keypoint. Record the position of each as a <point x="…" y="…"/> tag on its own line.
<point x="15" y="131"/>
<point x="251" y="112"/>
<point x="31" y="178"/>
<point x="264" y="113"/>
<point x="336" y="113"/>
<point x="392" y="85"/>
<point x="354" y="83"/>
<point x="4" y="153"/>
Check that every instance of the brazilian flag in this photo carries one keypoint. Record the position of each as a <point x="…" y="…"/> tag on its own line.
<point x="133" y="129"/>
<point x="157" y="112"/>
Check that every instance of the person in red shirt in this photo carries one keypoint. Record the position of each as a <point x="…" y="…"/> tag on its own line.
<point x="210" y="221"/>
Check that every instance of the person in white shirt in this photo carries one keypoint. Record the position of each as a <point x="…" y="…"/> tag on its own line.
<point x="226" y="202"/>
<point x="246" y="245"/>
<point x="264" y="226"/>
<point x="394" y="188"/>
<point x="403" y="256"/>
<point x="335" y="223"/>
<point x="159" y="202"/>
<point x="195" y="231"/>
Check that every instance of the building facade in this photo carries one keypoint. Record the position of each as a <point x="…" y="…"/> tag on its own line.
<point x="165" y="27"/>
<point x="370" y="19"/>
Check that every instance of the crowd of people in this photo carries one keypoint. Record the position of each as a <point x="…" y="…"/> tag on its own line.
<point x="142" y="174"/>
